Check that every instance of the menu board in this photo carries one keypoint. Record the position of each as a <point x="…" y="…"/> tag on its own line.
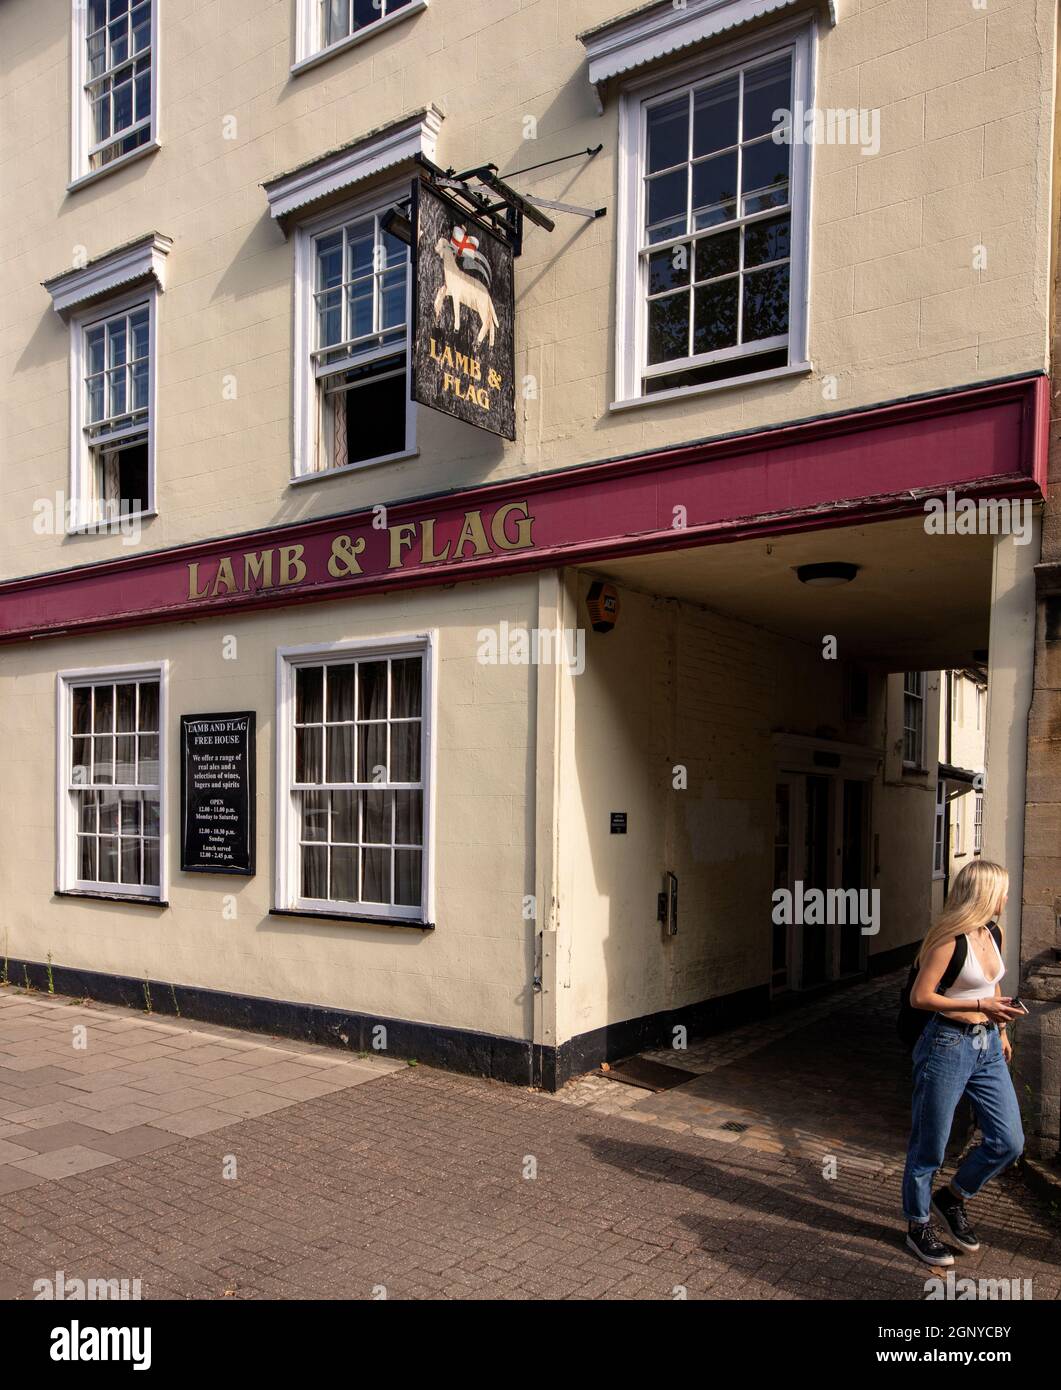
<point x="217" y="793"/>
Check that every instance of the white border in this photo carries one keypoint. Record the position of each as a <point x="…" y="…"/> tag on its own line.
<point x="285" y="896"/>
<point x="801" y="38"/>
<point x="65" y="835"/>
<point x="80" y="123"/>
<point x="79" y="448"/>
<point x="304" y="399"/>
<point x="308" y="52"/>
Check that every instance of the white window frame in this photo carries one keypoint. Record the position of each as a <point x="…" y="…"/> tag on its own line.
<point x="630" y="322"/>
<point x="939" y="832"/>
<point x="287" y="886"/>
<point x="80" y="113"/>
<point x="978" y="823"/>
<point x="82" y="514"/>
<point x="918" y="764"/>
<point x="309" y="48"/>
<point x="66" y="879"/>
<point x="958" y="827"/>
<point x="305" y="400"/>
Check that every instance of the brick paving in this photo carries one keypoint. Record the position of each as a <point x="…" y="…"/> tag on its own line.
<point x="419" y="1183"/>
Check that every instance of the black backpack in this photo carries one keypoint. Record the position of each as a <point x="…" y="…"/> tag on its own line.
<point x="910" y="1023"/>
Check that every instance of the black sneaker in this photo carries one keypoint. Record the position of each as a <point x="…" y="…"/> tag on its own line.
<point x="926" y="1245"/>
<point x="951" y="1211"/>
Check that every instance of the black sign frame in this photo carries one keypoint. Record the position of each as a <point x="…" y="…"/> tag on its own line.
<point x="431" y="371"/>
<point x="247" y="807"/>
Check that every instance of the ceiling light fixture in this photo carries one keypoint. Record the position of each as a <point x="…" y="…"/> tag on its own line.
<point x="828" y="575"/>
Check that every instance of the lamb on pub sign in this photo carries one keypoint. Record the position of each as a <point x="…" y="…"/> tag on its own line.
<point x="464" y="355"/>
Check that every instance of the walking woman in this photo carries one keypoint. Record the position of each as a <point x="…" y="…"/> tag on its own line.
<point x="963" y="1051"/>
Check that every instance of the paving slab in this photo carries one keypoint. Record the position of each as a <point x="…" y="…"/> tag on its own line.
<point x="85" y="1085"/>
<point x="62" y="1163"/>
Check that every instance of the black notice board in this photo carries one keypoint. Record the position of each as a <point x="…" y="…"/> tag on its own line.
<point x="217" y="793"/>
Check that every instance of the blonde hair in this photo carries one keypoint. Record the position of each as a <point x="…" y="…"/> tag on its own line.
<point x="975" y="899"/>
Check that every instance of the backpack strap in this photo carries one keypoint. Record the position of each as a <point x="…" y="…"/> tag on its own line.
<point x="954" y="965"/>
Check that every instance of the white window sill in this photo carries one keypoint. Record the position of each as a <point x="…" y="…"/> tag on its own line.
<point x="130" y="158"/>
<point x="298" y="478"/>
<point x="357" y="919"/>
<point x="681" y="393"/>
<point x="107" y="894"/>
<point x="109" y="527"/>
<point x="359" y="36"/>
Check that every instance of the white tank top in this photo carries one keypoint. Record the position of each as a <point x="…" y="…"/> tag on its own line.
<point x="973" y="982"/>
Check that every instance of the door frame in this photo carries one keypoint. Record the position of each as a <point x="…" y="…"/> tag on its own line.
<point x="796" y="757"/>
<point x="796" y="850"/>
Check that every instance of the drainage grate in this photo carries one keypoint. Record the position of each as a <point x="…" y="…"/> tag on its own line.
<point x="735" y="1126"/>
<point x="649" y="1075"/>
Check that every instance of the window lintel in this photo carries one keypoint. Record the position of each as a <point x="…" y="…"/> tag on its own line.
<point x="304" y="189"/>
<point x="662" y="28"/>
<point x="137" y="262"/>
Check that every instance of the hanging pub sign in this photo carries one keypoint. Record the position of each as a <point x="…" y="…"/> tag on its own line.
<point x="463" y="342"/>
<point x="217" y="793"/>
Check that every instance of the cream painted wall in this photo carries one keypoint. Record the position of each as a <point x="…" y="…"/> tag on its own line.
<point x="473" y="971"/>
<point x="675" y="685"/>
<point x="968" y="749"/>
<point x="968" y="743"/>
<point x="965" y="96"/>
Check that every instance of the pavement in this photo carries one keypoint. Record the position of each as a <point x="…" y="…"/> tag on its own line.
<point x="824" y="1083"/>
<point x="213" y="1163"/>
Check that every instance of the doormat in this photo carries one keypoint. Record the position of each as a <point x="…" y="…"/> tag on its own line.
<point x="650" y="1076"/>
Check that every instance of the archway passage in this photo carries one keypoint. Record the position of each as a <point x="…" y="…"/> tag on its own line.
<point x="772" y="750"/>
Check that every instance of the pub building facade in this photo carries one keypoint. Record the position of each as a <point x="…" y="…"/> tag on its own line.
<point x="489" y="495"/>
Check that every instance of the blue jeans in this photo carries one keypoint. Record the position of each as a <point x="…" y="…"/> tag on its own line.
<point x="948" y="1064"/>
